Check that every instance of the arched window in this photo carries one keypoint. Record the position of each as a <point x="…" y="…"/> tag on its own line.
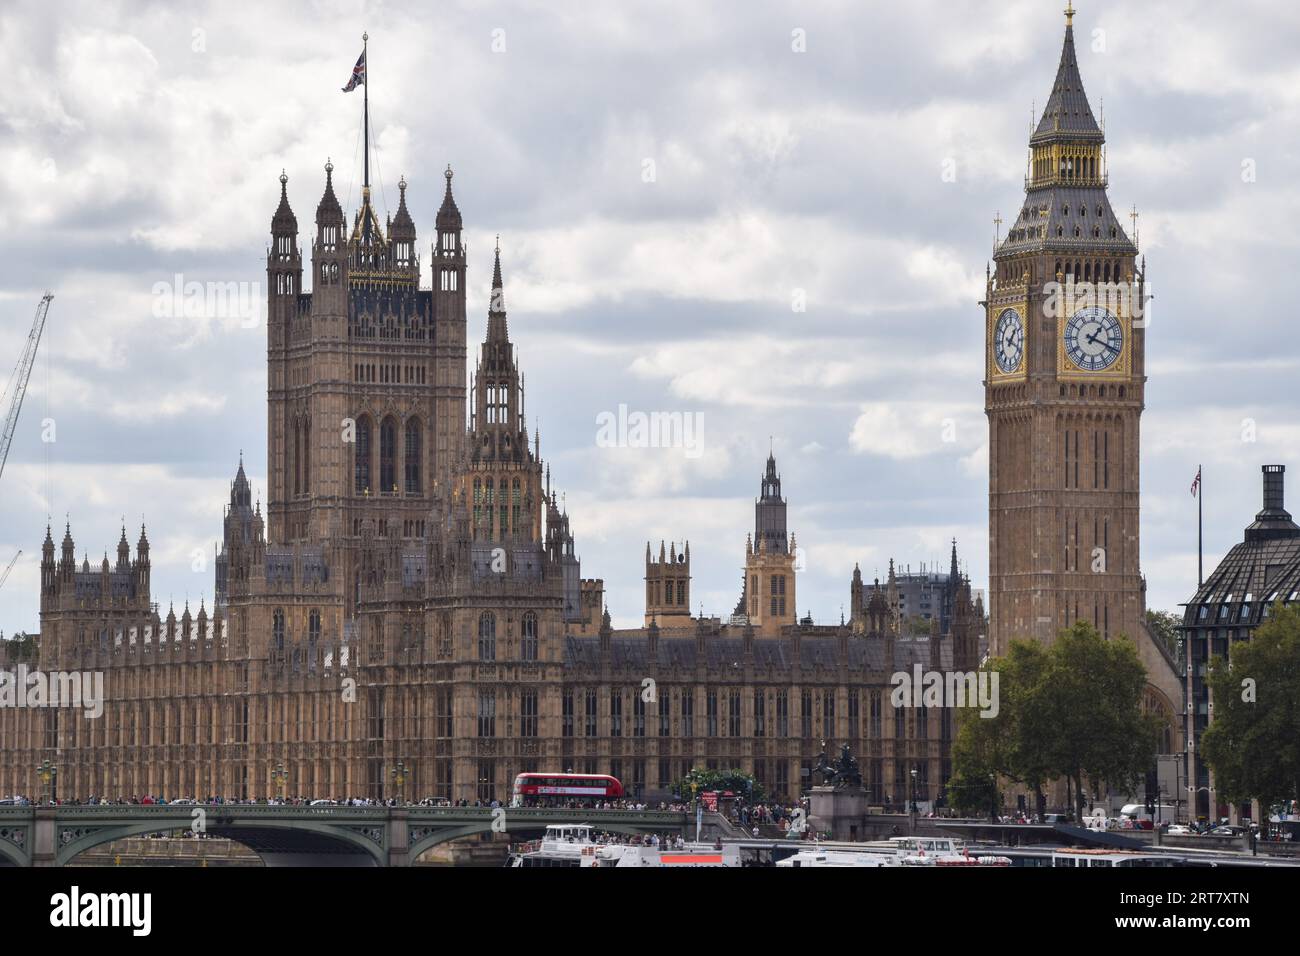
<point x="305" y="431"/>
<point x="388" y="455"/>
<point x="277" y="629"/>
<point x="412" y="457"/>
<point x="487" y="636"/>
<point x="297" y="458"/>
<point x="478" y="504"/>
<point x="313" y="629"/>
<point x="529" y="628"/>
<point x="514" y="506"/>
<point x="361" y="469"/>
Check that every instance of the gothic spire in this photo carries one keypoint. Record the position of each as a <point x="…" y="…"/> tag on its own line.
<point x="497" y="330"/>
<point x="448" y="213"/>
<point x="284" y="222"/>
<point x="328" y="211"/>
<point x="1067" y="115"/>
<point x="402" y="226"/>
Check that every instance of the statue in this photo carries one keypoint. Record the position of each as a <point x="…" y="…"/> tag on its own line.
<point x="844" y="772"/>
<point x="824" y="766"/>
<point x="847" y="772"/>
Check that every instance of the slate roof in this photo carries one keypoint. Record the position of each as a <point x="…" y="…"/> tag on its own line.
<point x="631" y="650"/>
<point x="1067" y="115"/>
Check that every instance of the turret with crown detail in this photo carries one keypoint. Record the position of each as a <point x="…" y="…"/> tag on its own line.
<point x="668" y="585"/>
<point x="770" y="565"/>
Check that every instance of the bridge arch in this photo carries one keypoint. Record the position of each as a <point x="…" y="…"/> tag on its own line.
<point x="263" y="836"/>
<point x="13" y="854"/>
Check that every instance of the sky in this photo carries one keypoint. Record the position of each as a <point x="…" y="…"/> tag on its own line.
<point x="772" y="217"/>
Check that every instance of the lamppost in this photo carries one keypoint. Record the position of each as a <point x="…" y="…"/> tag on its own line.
<point x="48" y="774"/>
<point x="993" y="798"/>
<point x="913" y="806"/>
<point x="280" y="777"/>
<point x="695" y="805"/>
<point x="399" y="779"/>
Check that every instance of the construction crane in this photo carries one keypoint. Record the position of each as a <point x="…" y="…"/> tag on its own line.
<point x="16" y="390"/>
<point x="4" y="575"/>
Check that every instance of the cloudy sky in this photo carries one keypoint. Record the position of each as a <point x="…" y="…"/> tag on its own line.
<point x="668" y="179"/>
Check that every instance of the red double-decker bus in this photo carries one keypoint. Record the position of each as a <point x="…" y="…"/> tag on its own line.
<point x="547" y="789"/>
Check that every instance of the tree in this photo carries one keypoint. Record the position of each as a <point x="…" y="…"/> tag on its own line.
<point x="1164" y="625"/>
<point x="1071" y="710"/>
<point x="988" y="748"/>
<point x="737" y="781"/>
<point x="1094" y="720"/>
<point x="21" y="647"/>
<point x="1253" y="742"/>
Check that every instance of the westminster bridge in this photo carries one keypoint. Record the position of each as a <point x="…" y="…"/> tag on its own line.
<point x="298" y="835"/>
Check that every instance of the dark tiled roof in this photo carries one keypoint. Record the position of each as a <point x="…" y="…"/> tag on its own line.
<point x="1067" y="114"/>
<point x="1043" y="223"/>
<point x="1263" y="569"/>
<point x="632" y="651"/>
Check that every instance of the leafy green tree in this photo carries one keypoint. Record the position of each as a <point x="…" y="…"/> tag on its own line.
<point x="21" y="647"/>
<point x="1094" y="723"/>
<point x="988" y="748"/>
<point x="1164" y="625"/>
<point x="737" y="781"/>
<point x="1071" y="710"/>
<point x="1253" y="742"/>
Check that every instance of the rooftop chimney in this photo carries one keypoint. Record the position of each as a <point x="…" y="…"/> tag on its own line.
<point x="1274" y="482"/>
<point x="1273" y="521"/>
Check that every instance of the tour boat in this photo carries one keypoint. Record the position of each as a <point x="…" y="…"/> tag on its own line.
<point x="575" y="845"/>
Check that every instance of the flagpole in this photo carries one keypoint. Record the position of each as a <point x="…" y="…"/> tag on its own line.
<point x="365" y="42"/>
<point x="1200" y="496"/>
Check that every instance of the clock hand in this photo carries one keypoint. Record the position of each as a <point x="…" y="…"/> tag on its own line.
<point x="1108" y="346"/>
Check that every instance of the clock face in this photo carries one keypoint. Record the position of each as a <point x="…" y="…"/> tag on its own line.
<point x="1094" y="339"/>
<point x="1009" y="340"/>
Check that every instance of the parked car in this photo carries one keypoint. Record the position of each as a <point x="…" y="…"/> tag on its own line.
<point x="1179" y="829"/>
<point x="1228" y="830"/>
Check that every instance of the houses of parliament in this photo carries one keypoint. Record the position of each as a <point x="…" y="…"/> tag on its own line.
<point x="412" y="595"/>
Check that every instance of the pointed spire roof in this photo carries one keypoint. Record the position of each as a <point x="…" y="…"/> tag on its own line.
<point x="448" y="214"/>
<point x="284" y="221"/>
<point x="498" y="302"/>
<point x="1067" y="114"/>
<point x="402" y="226"/>
<point x="240" y="491"/>
<point x="497" y="330"/>
<point x="329" y="210"/>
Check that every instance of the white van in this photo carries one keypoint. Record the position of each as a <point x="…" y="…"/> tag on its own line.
<point x="1165" y="813"/>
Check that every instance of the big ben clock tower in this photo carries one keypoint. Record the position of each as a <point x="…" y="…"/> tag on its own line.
<point x="1063" y="390"/>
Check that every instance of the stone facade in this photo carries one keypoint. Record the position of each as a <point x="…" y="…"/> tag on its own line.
<point x="412" y="594"/>
<point x="1065" y="375"/>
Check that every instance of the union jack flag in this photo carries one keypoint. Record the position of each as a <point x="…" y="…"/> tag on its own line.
<point x="1196" y="483"/>
<point x="358" y="74"/>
